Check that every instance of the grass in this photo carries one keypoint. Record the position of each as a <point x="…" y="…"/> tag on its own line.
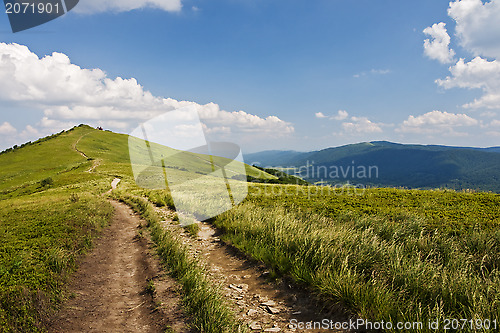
<point x="202" y="300"/>
<point x="50" y="210"/>
<point x="384" y="254"/>
<point x="40" y="238"/>
<point x="394" y="262"/>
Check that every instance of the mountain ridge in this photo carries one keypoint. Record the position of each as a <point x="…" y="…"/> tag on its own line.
<point x="398" y="165"/>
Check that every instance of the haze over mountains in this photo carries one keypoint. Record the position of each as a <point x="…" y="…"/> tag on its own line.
<point x="382" y="163"/>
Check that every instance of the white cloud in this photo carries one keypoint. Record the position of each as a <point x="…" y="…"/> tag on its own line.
<point x="68" y="94"/>
<point x="478" y="31"/>
<point x="493" y="133"/>
<point x="99" y="6"/>
<point x="7" y="129"/>
<point x="29" y="131"/>
<point x="478" y="26"/>
<point x="341" y="115"/>
<point x="479" y="74"/>
<point x="361" y="125"/>
<point x="438" y="47"/>
<point x="488" y="114"/>
<point x="495" y="123"/>
<point x="436" y="122"/>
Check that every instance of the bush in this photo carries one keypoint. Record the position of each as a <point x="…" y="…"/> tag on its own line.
<point x="47" y="182"/>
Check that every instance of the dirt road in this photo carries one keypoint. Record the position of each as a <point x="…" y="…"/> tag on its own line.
<point x="110" y="290"/>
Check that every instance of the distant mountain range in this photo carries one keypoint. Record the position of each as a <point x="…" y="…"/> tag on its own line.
<point x="387" y="164"/>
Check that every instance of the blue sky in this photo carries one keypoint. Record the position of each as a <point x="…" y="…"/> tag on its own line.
<point x="278" y="74"/>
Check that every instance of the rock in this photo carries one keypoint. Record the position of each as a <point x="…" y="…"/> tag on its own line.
<point x="243" y="287"/>
<point x="272" y="310"/>
<point x="255" y="326"/>
<point x="269" y="303"/>
<point x="273" y="329"/>
<point x="246" y="276"/>
<point x="251" y="312"/>
<point x="232" y="286"/>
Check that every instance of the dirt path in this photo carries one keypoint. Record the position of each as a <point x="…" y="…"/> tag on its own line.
<point x="95" y="163"/>
<point x="264" y="305"/>
<point x="110" y="292"/>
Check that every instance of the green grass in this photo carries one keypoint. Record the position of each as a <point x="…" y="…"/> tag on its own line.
<point x="389" y="255"/>
<point x="50" y="210"/>
<point x="40" y="237"/>
<point x="384" y="254"/>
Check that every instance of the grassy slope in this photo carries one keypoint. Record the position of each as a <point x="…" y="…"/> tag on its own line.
<point x="44" y="225"/>
<point x="391" y="255"/>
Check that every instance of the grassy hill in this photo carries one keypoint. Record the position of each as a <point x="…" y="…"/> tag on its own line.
<point x="381" y="254"/>
<point x="395" y="165"/>
<point x="51" y="207"/>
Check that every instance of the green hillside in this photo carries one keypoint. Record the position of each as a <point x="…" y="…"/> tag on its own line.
<point x="395" y="165"/>
<point x="51" y="208"/>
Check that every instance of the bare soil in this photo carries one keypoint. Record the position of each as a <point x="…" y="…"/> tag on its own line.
<point x="109" y="292"/>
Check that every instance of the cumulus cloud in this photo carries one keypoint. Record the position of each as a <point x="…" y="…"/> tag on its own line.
<point x="99" y="6"/>
<point x="479" y="73"/>
<point x="68" y="94"/>
<point x="7" y="129"/>
<point x="477" y="25"/>
<point x="438" y="48"/>
<point x="478" y="31"/>
<point x="436" y="122"/>
<point x="361" y="125"/>
<point x="341" y="115"/>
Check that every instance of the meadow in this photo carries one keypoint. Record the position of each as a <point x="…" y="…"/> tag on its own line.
<point x="381" y="254"/>
<point x="53" y="204"/>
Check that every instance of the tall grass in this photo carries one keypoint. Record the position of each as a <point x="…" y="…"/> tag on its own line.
<point x="202" y="299"/>
<point x="40" y="238"/>
<point x="376" y="268"/>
